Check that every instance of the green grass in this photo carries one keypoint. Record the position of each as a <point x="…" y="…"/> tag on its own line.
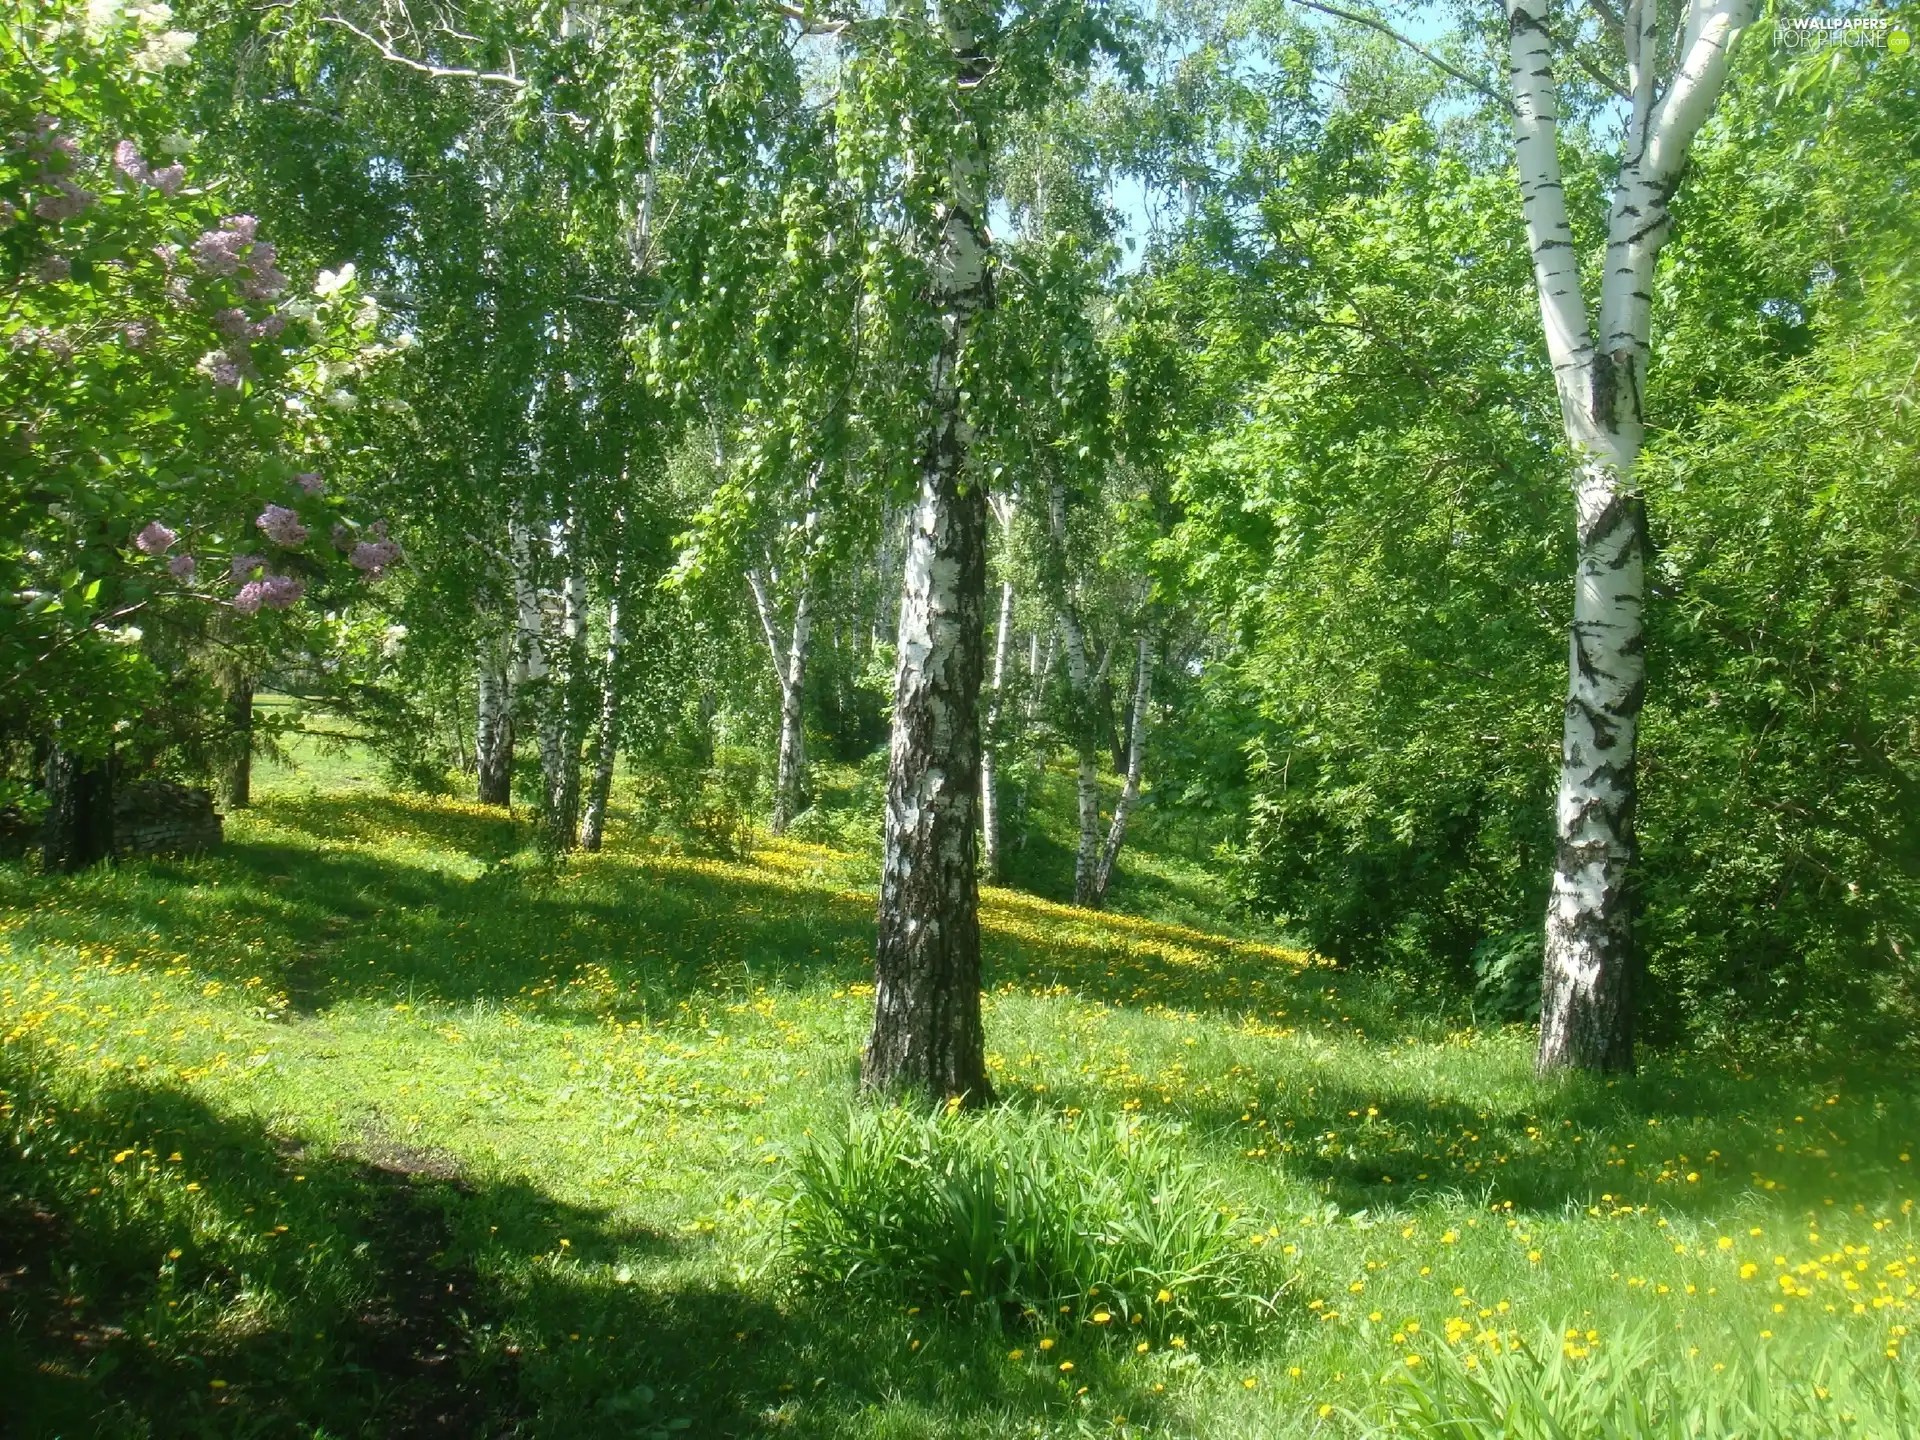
<point x="469" y="1145"/>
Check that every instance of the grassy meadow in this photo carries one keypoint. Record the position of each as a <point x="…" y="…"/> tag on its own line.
<point x="372" y="1124"/>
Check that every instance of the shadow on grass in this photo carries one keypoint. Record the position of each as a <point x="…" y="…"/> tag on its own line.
<point x="254" y="1287"/>
<point x="1688" y="1135"/>
<point x="626" y="934"/>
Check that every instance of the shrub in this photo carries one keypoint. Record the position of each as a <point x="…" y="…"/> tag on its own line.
<point x="1024" y="1219"/>
<point x="708" y="807"/>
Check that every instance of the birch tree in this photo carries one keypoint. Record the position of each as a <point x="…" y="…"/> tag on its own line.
<point x="1587" y="992"/>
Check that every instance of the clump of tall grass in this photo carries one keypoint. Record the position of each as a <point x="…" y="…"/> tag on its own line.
<point x="1637" y="1388"/>
<point x="1025" y="1219"/>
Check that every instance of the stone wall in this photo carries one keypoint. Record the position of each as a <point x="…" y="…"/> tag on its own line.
<point x="157" y="817"/>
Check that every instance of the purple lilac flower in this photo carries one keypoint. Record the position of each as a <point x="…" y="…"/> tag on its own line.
<point x="281" y="525"/>
<point x="374" y="557"/>
<point x="310" y="481"/>
<point x="232" y="323"/>
<point x="233" y="246"/>
<point x="129" y="164"/>
<point x="156" y="539"/>
<point x="342" y="537"/>
<point x="166" y="255"/>
<point x="268" y="328"/>
<point x="218" y="252"/>
<point x="136" y="333"/>
<point x="281" y="592"/>
<point x="66" y="201"/>
<point x="169" y="180"/>
<point x="181" y="567"/>
<point x="245" y="565"/>
<point x="53" y="269"/>
<point x="225" y="371"/>
<point x="247" y="601"/>
<point x="265" y="282"/>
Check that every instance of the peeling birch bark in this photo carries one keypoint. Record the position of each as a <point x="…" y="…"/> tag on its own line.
<point x="927" y="1035"/>
<point x="1587" y="989"/>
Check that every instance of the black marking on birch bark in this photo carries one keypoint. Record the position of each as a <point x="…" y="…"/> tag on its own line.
<point x="1622" y="508"/>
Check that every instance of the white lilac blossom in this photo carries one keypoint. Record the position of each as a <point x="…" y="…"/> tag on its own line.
<point x="156" y="539"/>
<point x="310" y="481"/>
<point x="245" y="565"/>
<point x="181" y="567"/>
<point x="281" y="525"/>
<point x="168" y="50"/>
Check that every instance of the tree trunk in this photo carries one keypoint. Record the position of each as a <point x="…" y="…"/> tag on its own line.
<point x="606" y="736"/>
<point x="1587" y="984"/>
<point x="927" y="1035"/>
<point x="560" y="712"/>
<point x="493" y="726"/>
<point x="1136" y="767"/>
<point x="240" y="764"/>
<point x="790" y="672"/>
<point x="1086" y="859"/>
<point x="989" y="791"/>
<point x="78" y="831"/>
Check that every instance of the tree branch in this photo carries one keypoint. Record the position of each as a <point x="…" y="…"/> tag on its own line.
<point x="1392" y="34"/>
<point x="432" y="72"/>
<point x="808" y="24"/>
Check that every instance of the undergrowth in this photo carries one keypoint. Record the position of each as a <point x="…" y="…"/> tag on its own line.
<point x="1027" y="1220"/>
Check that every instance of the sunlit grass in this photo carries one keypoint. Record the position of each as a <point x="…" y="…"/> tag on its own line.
<point x="576" y="1096"/>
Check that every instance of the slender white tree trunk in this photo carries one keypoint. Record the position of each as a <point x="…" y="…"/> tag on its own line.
<point x="558" y="697"/>
<point x="1086" y="858"/>
<point x="989" y="792"/>
<point x="1136" y="768"/>
<point x="790" y="672"/>
<point x="1587" y="991"/>
<point x="606" y="735"/>
<point x="927" y="1035"/>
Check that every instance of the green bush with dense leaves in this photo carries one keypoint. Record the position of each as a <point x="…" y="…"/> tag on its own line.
<point x="1027" y="1219"/>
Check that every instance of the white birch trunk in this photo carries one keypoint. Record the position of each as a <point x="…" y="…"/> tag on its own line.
<point x="606" y="736"/>
<point x="1587" y="992"/>
<point x="558" y="724"/>
<point x="1136" y="768"/>
<point x="1086" y="858"/>
<point x="989" y="768"/>
<point x="790" y="672"/>
<point x="927" y="1035"/>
